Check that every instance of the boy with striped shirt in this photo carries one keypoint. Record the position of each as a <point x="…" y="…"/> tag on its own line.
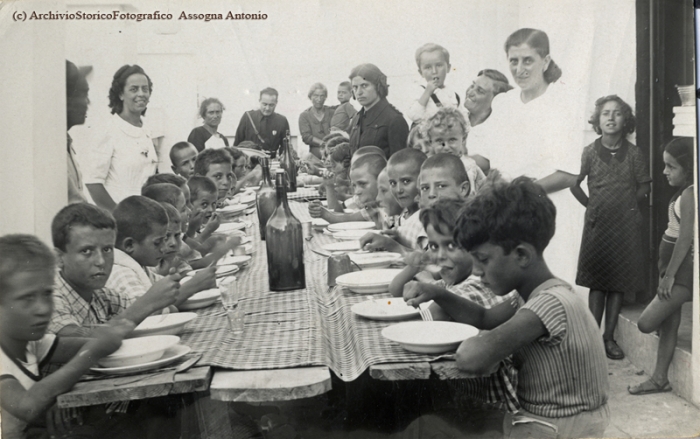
<point x="554" y="339"/>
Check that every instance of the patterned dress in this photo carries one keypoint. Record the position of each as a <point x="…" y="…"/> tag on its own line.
<point x="611" y="257"/>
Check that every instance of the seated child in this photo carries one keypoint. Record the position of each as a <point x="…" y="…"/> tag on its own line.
<point x="433" y="63"/>
<point x="553" y="337"/>
<point x="203" y="193"/>
<point x="173" y="242"/>
<point x="83" y="237"/>
<point x="27" y="269"/>
<point x="455" y="263"/>
<point x="442" y="177"/>
<point x="244" y="175"/>
<point x="167" y="193"/>
<point x="141" y="228"/>
<point x="417" y="140"/>
<point x="403" y="169"/>
<point x="337" y="178"/>
<point x="447" y="133"/>
<point x="345" y="111"/>
<point x="182" y="157"/>
<point x="216" y="164"/>
<point x="367" y="150"/>
<point x="363" y="177"/>
<point x="387" y="204"/>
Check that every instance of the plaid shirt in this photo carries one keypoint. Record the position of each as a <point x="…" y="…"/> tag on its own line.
<point x="411" y="232"/>
<point x="71" y="309"/>
<point x="128" y="278"/>
<point x="472" y="289"/>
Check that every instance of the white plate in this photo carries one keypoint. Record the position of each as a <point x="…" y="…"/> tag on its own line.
<point x="350" y="235"/>
<point x="200" y="300"/>
<point x="375" y="259"/>
<point x="139" y="350"/>
<point x="319" y="223"/>
<point x="247" y="198"/>
<point x="233" y="208"/>
<point x="238" y="260"/>
<point x="368" y="281"/>
<point x="352" y="225"/>
<point x="243" y="249"/>
<point x="342" y="246"/>
<point x="390" y="309"/>
<point x="164" y="324"/>
<point x="170" y="355"/>
<point x="226" y="270"/>
<point x="429" y="337"/>
<point x="230" y="227"/>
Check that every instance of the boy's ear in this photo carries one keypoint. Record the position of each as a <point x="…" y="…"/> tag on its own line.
<point x="465" y="189"/>
<point x="174" y="169"/>
<point x="59" y="257"/>
<point x="525" y="254"/>
<point x="127" y="245"/>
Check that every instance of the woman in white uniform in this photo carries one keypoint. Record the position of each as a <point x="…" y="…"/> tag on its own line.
<point x="124" y="157"/>
<point x="536" y="132"/>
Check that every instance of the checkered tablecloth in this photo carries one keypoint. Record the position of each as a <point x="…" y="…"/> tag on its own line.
<point x="313" y="326"/>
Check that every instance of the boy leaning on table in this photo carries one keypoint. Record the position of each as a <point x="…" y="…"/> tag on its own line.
<point x="554" y="339"/>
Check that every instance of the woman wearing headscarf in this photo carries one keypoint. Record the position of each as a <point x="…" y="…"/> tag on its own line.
<point x="378" y="123"/>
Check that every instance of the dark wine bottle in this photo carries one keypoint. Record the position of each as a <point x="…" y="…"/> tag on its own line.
<point x="266" y="198"/>
<point x="284" y="240"/>
<point x="287" y="163"/>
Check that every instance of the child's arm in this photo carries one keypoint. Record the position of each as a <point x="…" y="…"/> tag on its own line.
<point x="557" y="181"/>
<point x="376" y="242"/>
<point x="579" y="194"/>
<point x="316" y="210"/>
<point x="683" y="243"/>
<point x="201" y="281"/>
<point x="219" y="251"/>
<point x="478" y="355"/>
<point x="406" y="275"/>
<point x="30" y="404"/>
<point x="213" y="224"/>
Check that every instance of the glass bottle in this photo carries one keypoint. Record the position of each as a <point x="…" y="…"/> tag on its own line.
<point x="266" y="198"/>
<point x="287" y="163"/>
<point x="284" y="240"/>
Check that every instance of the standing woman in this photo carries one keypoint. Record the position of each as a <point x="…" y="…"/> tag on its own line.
<point x="315" y="121"/>
<point x="125" y="157"/>
<point x="534" y="131"/>
<point x="378" y="123"/>
<point x="207" y="136"/>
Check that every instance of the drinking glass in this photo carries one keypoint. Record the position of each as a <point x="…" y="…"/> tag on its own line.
<point x="230" y="300"/>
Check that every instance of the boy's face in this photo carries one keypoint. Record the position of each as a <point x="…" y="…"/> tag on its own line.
<point x="448" y="140"/>
<point x="344" y="94"/>
<point x="498" y="271"/>
<point x="149" y="251"/>
<point x="184" y="161"/>
<point x="385" y="199"/>
<point x="205" y="202"/>
<point x="437" y="184"/>
<point x="403" y="180"/>
<point x="222" y="175"/>
<point x="26" y="305"/>
<point x="173" y="240"/>
<point x="454" y="262"/>
<point x="364" y="184"/>
<point x="240" y="167"/>
<point x="87" y="262"/>
<point x="433" y="67"/>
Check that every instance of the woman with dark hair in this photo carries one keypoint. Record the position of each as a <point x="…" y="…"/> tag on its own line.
<point x="207" y="135"/>
<point x="378" y="123"/>
<point x="125" y="157"/>
<point x="536" y="131"/>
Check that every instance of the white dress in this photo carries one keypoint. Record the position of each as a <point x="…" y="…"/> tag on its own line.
<point x="536" y="139"/>
<point x="122" y="160"/>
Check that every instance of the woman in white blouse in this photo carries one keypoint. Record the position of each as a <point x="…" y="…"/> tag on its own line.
<point x="125" y="157"/>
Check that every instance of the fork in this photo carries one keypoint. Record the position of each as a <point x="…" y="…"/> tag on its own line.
<point x="426" y="315"/>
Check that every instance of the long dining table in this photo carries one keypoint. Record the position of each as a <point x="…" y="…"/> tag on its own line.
<point x="291" y="342"/>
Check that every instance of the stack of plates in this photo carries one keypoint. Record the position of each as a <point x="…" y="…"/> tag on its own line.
<point x="368" y="281"/>
<point x="224" y="270"/>
<point x="229" y="228"/>
<point x="232" y="211"/>
<point x="375" y="259"/>
<point x="341" y="247"/>
<point x="237" y="260"/>
<point x="170" y="355"/>
<point x="429" y="337"/>
<point x="352" y="225"/>
<point x="200" y="300"/>
<point x="350" y="235"/>
<point x="391" y="309"/>
<point x="319" y="223"/>
<point x="164" y="324"/>
<point x="135" y="351"/>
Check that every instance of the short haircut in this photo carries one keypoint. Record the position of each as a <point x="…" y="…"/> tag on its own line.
<point x="179" y="146"/>
<point x="369" y="150"/>
<point x="627" y="113"/>
<point x="172" y="213"/>
<point x="507" y="215"/>
<point x="205" y="103"/>
<point x="210" y="157"/>
<point x="173" y="179"/>
<point x="23" y="253"/>
<point x="408" y="155"/>
<point x="162" y="193"/>
<point x="136" y="217"/>
<point x="374" y="162"/>
<point x="235" y="152"/>
<point x="450" y="163"/>
<point x="500" y="81"/>
<point x="539" y="41"/>
<point x="431" y="47"/>
<point x="442" y="216"/>
<point x="269" y="91"/>
<point x="346" y="84"/>
<point x="317" y="86"/>
<point x="200" y="183"/>
<point x="118" y="83"/>
<point x="78" y="214"/>
<point x="445" y="118"/>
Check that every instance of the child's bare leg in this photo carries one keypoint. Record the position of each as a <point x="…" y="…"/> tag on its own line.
<point x="668" y="337"/>
<point x="612" y="311"/>
<point x="658" y="310"/>
<point x="596" y="303"/>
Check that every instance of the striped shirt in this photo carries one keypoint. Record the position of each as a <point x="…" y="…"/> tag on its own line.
<point x="473" y="290"/>
<point x="564" y="372"/>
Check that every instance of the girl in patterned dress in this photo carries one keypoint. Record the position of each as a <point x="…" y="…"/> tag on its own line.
<point x="675" y="265"/>
<point x="611" y="258"/>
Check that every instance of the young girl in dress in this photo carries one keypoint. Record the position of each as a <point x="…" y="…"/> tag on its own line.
<point x="611" y="258"/>
<point x="675" y="265"/>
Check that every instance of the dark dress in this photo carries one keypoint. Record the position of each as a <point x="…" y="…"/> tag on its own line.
<point x="199" y="136"/>
<point x="611" y="257"/>
<point x="382" y="126"/>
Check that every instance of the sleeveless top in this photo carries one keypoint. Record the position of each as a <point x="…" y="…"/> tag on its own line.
<point x="674" y="219"/>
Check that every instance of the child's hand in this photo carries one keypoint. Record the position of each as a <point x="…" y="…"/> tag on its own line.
<point x="417" y="259"/>
<point x="222" y="247"/>
<point x="665" y="286"/>
<point x="376" y="242"/>
<point x="107" y="339"/>
<point x="213" y="223"/>
<point x="164" y="293"/>
<point x="59" y="421"/>
<point x="196" y="220"/>
<point x="316" y="209"/>
<point x="415" y="293"/>
<point x="431" y="86"/>
<point x="204" y="279"/>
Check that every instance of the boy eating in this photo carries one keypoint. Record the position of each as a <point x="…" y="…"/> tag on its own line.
<point x="83" y="237"/>
<point x="386" y="202"/>
<point x="182" y="157"/>
<point x="433" y="63"/>
<point x="443" y="177"/>
<point x="216" y="164"/>
<point x="203" y="193"/>
<point x="554" y="339"/>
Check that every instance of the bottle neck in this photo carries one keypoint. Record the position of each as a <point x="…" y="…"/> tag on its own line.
<point x="266" y="175"/>
<point x="281" y="190"/>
